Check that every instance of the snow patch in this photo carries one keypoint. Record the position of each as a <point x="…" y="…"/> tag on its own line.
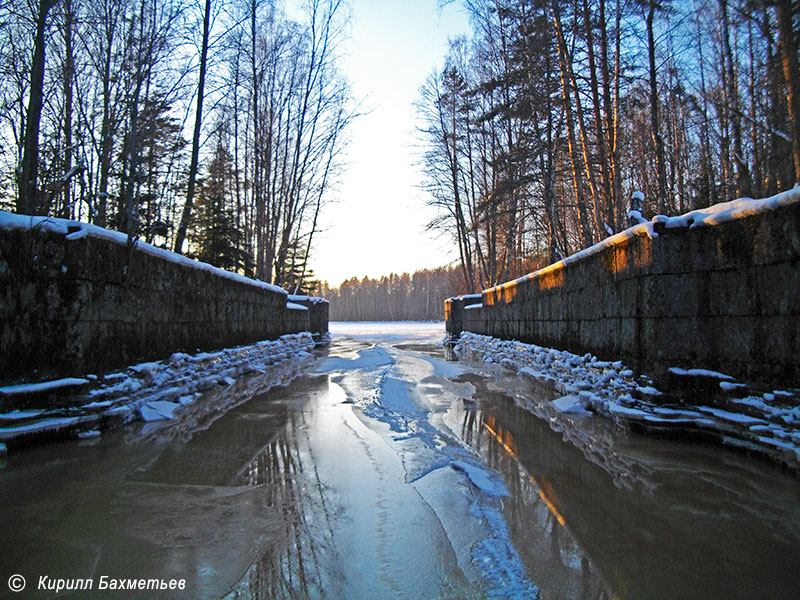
<point x="700" y="373"/>
<point x="309" y="299"/>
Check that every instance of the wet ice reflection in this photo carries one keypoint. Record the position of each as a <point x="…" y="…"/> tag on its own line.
<point x="373" y="478"/>
<point x="687" y="520"/>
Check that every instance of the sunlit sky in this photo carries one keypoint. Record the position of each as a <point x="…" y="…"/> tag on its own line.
<point x="377" y="224"/>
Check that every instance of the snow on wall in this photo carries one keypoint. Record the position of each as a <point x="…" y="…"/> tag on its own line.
<point x="76" y="230"/>
<point x="74" y="299"/>
<point x="318" y="314"/>
<point x="717" y="288"/>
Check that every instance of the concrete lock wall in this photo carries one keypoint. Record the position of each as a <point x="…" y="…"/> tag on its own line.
<point x="723" y="296"/>
<point x="75" y="304"/>
<point x="318" y="313"/>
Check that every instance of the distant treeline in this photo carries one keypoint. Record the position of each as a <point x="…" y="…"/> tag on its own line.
<point x="416" y="297"/>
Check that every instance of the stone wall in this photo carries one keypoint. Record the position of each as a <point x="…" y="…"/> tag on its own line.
<point x="75" y="300"/>
<point x="318" y="314"/>
<point x="722" y="295"/>
<point x="454" y="312"/>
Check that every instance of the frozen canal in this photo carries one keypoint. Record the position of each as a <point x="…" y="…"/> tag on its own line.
<point x="388" y="472"/>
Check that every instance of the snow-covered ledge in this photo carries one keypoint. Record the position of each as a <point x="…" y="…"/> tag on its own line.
<point x="764" y="421"/>
<point x="161" y="393"/>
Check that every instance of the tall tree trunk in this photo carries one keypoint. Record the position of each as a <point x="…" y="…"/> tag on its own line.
<point x="577" y="177"/>
<point x="605" y="180"/>
<point x="707" y="191"/>
<point x="755" y="137"/>
<point x="658" y="141"/>
<point x="257" y="191"/>
<point x="68" y="76"/>
<point x="28" y="201"/>
<point x="791" y="72"/>
<point x="743" y="184"/>
<point x="198" y="120"/>
<point x="615" y="159"/>
<point x="128" y="219"/>
<point x="106" y="130"/>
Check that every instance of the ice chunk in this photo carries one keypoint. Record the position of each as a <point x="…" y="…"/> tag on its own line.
<point x="158" y="410"/>
<point x="480" y="478"/>
<point x="569" y="404"/>
<point x="44" y="386"/>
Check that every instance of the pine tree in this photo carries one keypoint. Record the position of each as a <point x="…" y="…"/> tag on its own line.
<point x="214" y="236"/>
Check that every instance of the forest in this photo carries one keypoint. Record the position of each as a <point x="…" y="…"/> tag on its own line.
<point x="416" y="297"/>
<point x="213" y="129"/>
<point x="217" y="129"/>
<point x="546" y="119"/>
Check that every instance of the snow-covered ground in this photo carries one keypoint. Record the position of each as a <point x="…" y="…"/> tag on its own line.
<point x="766" y="422"/>
<point x="149" y="391"/>
<point x="395" y="330"/>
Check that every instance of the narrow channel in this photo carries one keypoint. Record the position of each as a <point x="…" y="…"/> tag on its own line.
<point x="387" y="471"/>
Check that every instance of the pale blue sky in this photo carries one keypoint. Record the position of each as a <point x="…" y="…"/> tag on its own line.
<point x="377" y="226"/>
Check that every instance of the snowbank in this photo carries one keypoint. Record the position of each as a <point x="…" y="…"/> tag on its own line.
<point x="299" y="299"/>
<point x="150" y="391"/>
<point x="767" y="423"/>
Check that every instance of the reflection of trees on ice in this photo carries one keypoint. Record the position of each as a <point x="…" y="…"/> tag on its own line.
<point x="290" y="564"/>
<point x="546" y="545"/>
<point x="597" y="512"/>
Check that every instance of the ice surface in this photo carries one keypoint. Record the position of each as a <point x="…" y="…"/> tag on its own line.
<point x="395" y="392"/>
<point x="374" y="357"/>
